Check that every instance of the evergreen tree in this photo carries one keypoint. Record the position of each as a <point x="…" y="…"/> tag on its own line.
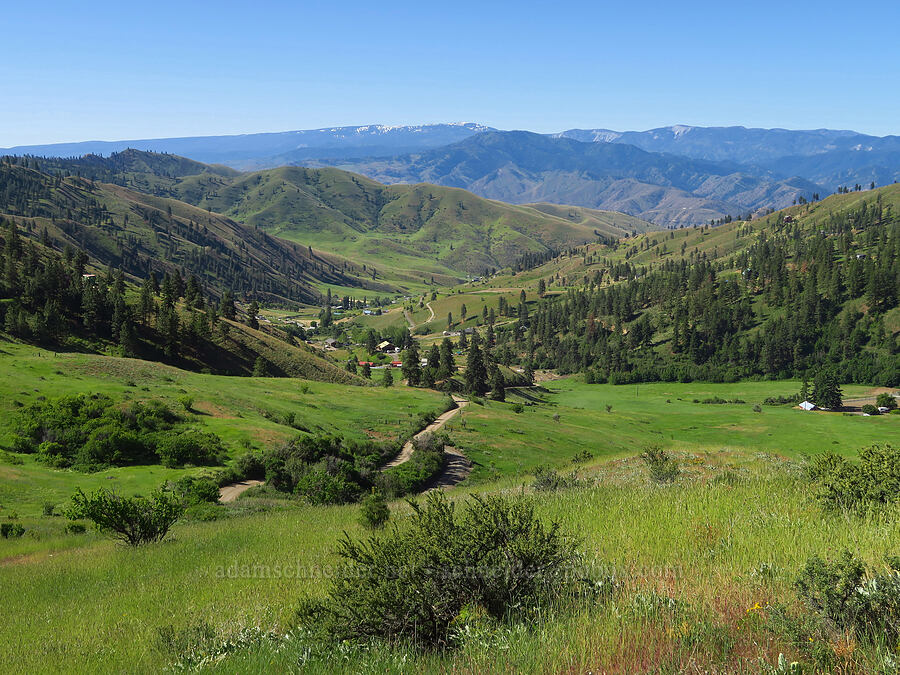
<point x="226" y="307"/>
<point x="260" y="367"/>
<point x="448" y="365"/>
<point x="387" y="380"/>
<point x="476" y="373"/>
<point x="252" y="311"/>
<point x="498" y="385"/>
<point x="826" y="391"/>
<point x="412" y="370"/>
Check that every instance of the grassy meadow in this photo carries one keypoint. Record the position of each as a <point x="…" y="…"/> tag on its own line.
<point x="245" y="412"/>
<point x="701" y="567"/>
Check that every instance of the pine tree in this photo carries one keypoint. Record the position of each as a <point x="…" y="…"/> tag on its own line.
<point x="387" y="380"/>
<point x="412" y="370"/>
<point x="252" y="311"/>
<point x="448" y="365"/>
<point x="476" y="373"/>
<point x="226" y="307"/>
<point x="498" y="385"/>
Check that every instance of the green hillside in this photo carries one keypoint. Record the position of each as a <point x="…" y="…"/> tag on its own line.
<point x="413" y="232"/>
<point x="808" y="289"/>
<point x="119" y="227"/>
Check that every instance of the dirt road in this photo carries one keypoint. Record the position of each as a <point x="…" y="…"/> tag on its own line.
<point x="229" y="493"/>
<point x="408" y="448"/>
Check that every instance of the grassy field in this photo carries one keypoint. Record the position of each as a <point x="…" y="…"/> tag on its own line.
<point x="243" y="411"/>
<point x="503" y="442"/>
<point x="698" y="563"/>
<point x="692" y="562"/>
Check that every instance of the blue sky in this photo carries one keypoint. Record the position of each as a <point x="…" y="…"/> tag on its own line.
<point x="108" y="71"/>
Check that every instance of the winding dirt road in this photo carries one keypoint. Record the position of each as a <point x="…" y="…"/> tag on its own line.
<point x="408" y="448"/>
<point x="456" y="465"/>
<point x="229" y="493"/>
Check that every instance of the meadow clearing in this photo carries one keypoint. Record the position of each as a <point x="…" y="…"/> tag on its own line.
<point x="699" y="566"/>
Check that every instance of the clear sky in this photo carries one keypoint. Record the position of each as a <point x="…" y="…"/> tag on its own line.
<point x="100" y="70"/>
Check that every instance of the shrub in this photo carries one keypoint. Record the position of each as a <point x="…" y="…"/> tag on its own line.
<point x="847" y="597"/>
<point x="187" y="402"/>
<point x="793" y="399"/>
<point x="418" y="470"/>
<point x="250" y="466"/>
<point x="374" y="511"/>
<point x="518" y="408"/>
<point x="548" y="480"/>
<point x="886" y="400"/>
<point x="869" y="409"/>
<point x="73" y="527"/>
<point x="872" y="483"/>
<point x="196" y="490"/>
<point x="91" y="433"/>
<point x="132" y="520"/>
<point x="662" y="466"/>
<point x="48" y="509"/>
<point x="190" y="447"/>
<point x="413" y="582"/>
<point x="582" y="456"/>
<point x="11" y="530"/>
<point x="325" y="484"/>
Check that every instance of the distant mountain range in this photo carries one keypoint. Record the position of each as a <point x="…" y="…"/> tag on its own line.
<point x="824" y="156"/>
<point x="268" y="150"/>
<point x="671" y="176"/>
<point x="522" y="167"/>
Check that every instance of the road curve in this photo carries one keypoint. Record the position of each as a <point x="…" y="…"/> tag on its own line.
<point x="408" y="448"/>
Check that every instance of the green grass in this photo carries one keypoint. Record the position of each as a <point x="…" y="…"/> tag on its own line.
<point x="716" y="547"/>
<point x="100" y="607"/>
<point x="501" y="441"/>
<point x="243" y="411"/>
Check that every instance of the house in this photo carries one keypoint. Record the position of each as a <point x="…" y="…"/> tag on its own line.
<point x="332" y="343"/>
<point x="386" y="347"/>
<point x="365" y="363"/>
<point x="396" y="364"/>
<point x="806" y="405"/>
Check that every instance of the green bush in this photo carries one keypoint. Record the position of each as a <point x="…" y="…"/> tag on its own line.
<point x="324" y="469"/>
<point x="190" y="447"/>
<point x="374" y="511"/>
<point x="662" y="466"/>
<point x="73" y="527"/>
<point x="871" y="483"/>
<point x="132" y="520"/>
<point x="187" y="402"/>
<point x="412" y="475"/>
<point x="548" y="480"/>
<point x="848" y="597"/>
<point x="90" y="432"/>
<point x="886" y="400"/>
<point x="196" y="490"/>
<point x="869" y="409"/>
<point x="414" y="582"/>
<point x="11" y="530"/>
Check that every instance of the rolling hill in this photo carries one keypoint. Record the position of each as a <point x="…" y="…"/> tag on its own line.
<point x="398" y="234"/>
<point x="121" y="227"/>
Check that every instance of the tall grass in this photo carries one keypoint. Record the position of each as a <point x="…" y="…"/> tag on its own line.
<point x="697" y="564"/>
